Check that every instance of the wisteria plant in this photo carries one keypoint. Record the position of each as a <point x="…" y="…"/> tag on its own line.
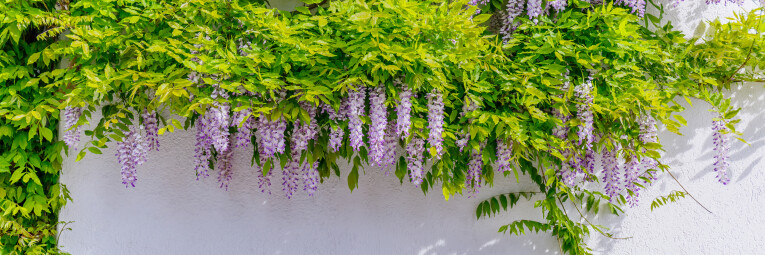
<point x="470" y="91"/>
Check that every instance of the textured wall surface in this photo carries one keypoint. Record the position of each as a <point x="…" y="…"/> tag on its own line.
<point x="170" y="212"/>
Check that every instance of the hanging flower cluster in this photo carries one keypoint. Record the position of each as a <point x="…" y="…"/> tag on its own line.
<point x="72" y="135"/>
<point x="583" y="94"/>
<point x="436" y="121"/>
<point x="131" y="152"/>
<point x="504" y="153"/>
<point x="414" y="150"/>
<point x="152" y="129"/>
<point x="378" y="114"/>
<point x="403" y="109"/>
<point x="611" y="171"/>
<point x="355" y="112"/>
<point x="721" y="139"/>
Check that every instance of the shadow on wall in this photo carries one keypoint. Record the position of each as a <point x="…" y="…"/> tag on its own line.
<point x="684" y="227"/>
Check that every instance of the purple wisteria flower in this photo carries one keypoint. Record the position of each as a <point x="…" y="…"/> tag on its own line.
<point x="355" y="112"/>
<point x="302" y="133"/>
<point x="379" y="117"/>
<point x="72" y="135"/>
<point x="152" y="129"/>
<point x="436" y="121"/>
<point x="513" y="11"/>
<point x="336" y="133"/>
<point x="631" y="173"/>
<point x="391" y="146"/>
<point x="721" y="139"/>
<point x="414" y="150"/>
<point x="583" y="94"/>
<point x="219" y="120"/>
<point x="403" y="110"/>
<point x="264" y="181"/>
<point x="637" y="6"/>
<point x="291" y="174"/>
<point x="533" y="9"/>
<point x="244" y="124"/>
<point x="557" y="5"/>
<point x="611" y="171"/>
<point x="271" y="136"/>
<point x="225" y="169"/>
<point x="131" y="152"/>
<point x="504" y="153"/>
<point x="310" y="178"/>
<point x="202" y="151"/>
<point x="475" y="169"/>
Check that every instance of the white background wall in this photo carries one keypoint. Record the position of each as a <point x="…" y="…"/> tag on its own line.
<point x="170" y="212"/>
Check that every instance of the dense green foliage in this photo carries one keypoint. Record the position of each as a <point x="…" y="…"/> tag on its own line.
<point x="30" y="156"/>
<point x="124" y="57"/>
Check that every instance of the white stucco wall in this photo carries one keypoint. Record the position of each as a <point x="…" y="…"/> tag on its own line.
<point x="170" y="212"/>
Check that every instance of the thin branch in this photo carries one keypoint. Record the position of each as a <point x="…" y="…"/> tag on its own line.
<point x="689" y="194"/>
<point x="592" y="225"/>
<point x="748" y="56"/>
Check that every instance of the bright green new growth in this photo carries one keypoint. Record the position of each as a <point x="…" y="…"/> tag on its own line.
<point x="126" y="56"/>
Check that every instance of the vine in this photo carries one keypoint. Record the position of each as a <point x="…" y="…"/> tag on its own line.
<point x="539" y="88"/>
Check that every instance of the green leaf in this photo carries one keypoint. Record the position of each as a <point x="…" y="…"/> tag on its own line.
<point x="353" y="179"/>
<point x="33" y="58"/>
<point x="94" y="150"/>
<point x="80" y="156"/>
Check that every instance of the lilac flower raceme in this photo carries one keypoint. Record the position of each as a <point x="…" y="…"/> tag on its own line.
<point x="436" y="121"/>
<point x="303" y="132"/>
<point x="290" y="175"/>
<point x="131" y="152"/>
<point x="721" y="140"/>
<point x="533" y="9"/>
<point x="631" y="175"/>
<point x="264" y="181"/>
<point x="514" y="10"/>
<point x="414" y="150"/>
<point x="72" y="135"/>
<point x="391" y="145"/>
<point x="152" y="129"/>
<point x="244" y="132"/>
<point x="583" y="94"/>
<point x="404" y="110"/>
<point x="557" y="5"/>
<point x="220" y="121"/>
<point x="611" y="172"/>
<point x="475" y="169"/>
<point x="271" y="136"/>
<point x="379" y="118"/>
<point x="504" y="153"/>
<point x="225" y="169"/>
<point x="336" y="133"/>
<point x="355" y="112"/>
<point x="310" y="178"/>
<point x="202" y="152"/>
<point x="637" y="6"/>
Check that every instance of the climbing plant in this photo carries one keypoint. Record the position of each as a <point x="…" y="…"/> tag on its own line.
<point x="30" y="155"/>
<point x="472" y="91"/>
